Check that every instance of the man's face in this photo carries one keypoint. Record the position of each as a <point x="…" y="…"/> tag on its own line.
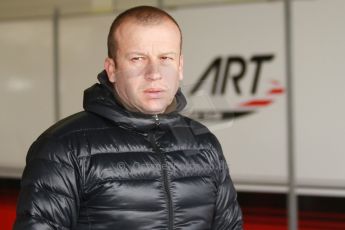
<point x="148" y="65"/>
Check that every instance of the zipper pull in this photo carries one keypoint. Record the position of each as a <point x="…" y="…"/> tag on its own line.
<point x="156" y="119"/>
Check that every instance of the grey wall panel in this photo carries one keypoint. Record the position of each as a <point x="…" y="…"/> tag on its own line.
<point x="319" y="58"/>
<point x="83" y="49"/>
<point x="255" y="145"/>
<point x="26" y="89"/>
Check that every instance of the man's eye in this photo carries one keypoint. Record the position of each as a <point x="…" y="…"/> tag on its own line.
<point x="137" y="58"/>
<point x="165" y="58"/>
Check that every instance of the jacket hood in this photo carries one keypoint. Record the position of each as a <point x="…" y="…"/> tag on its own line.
<point x="101" y="100"/>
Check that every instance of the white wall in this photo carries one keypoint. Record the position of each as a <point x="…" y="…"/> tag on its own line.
<point x="255" y="145"/>
<point x="83" y="51"/>
<point x="319" y="58"/>
<point x="253" y="142"/>
<point x="26" y="89"/>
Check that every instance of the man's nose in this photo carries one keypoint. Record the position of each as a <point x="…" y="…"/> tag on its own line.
<point x="152" y="71"/>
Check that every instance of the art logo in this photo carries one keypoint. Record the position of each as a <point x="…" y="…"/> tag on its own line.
<point x="233" y="87"/>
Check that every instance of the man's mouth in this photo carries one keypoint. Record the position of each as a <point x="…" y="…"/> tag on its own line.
<point x="154" y="93"/>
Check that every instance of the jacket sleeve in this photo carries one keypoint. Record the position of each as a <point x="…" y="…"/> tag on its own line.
<point x="48" y="197"/>
<point x="228" y="215"/>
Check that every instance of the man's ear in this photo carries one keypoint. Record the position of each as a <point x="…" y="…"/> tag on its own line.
<point x="180" y="68"/>
<point x="109" y="66"/>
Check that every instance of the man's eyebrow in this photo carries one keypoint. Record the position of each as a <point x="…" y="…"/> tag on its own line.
<point x="135" y="53"/>
<point x="145" y="54"/>
<point x="169" y="53"/>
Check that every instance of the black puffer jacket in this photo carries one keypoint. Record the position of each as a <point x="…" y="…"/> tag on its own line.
<point x="106" y="168"/>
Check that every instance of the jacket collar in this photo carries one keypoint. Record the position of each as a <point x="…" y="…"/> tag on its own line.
<point x="100" y="99"/>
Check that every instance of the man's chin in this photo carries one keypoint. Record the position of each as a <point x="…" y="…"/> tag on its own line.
<point x="153" y="109"/>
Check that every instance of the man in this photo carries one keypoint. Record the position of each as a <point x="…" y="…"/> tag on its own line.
<point x="130" y="160"/>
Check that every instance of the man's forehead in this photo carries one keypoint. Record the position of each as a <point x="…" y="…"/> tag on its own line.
<point x="145" y="21"/>
<point x="161" y="35"/>
<point x="144" y="53"/>
<point x="131" y="21"/>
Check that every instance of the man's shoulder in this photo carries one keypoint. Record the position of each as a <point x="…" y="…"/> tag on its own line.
<point x="59" y="138"/>
<point x="76" y="123"/>
<point x="201" y="131"/>
<point x="196" y="127"/>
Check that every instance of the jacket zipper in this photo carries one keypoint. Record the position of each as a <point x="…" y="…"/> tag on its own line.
<point x="164" y="170"/>
<point x="167" y="191"/>
<point x="156" y="118"/>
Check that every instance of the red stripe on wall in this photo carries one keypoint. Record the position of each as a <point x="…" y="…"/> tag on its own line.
<point x="257" y="103"/>
<point x="276" y="91"/>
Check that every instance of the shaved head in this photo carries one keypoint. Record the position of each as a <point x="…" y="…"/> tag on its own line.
<point x="143" y="15"/>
